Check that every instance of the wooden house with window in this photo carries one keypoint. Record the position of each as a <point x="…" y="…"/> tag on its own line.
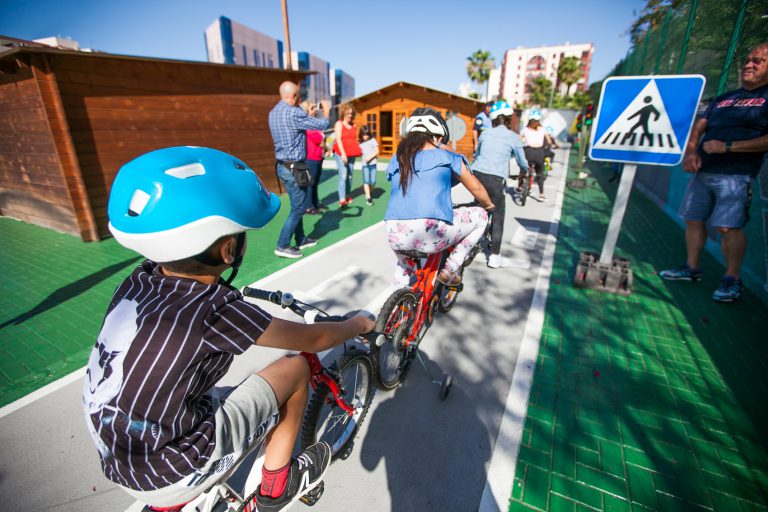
<point x="384" y="110"/>
<point x="69" y="120"/>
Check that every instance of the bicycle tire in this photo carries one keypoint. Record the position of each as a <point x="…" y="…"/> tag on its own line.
<point x="324" y="420"/>
<point x="395" y="320"/>
<point x="526" y="189"/>
<point x="447" y="297"/>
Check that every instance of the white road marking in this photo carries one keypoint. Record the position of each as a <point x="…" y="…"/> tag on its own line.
<point x="313" y="295"/>
<point x="501" y="472"/>
<point x="524" y="263"/>
<point x="40" y="393"/>
<point x="79" y="373"/>
<point x="525" y="238"/>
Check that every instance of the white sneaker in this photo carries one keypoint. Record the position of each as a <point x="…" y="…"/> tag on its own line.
<point x="497" y="261"/>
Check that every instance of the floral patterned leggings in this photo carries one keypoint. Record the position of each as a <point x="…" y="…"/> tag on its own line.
<point x="430" y="236"/>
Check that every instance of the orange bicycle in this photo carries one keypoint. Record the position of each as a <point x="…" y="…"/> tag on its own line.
<point x="408" y="313"/>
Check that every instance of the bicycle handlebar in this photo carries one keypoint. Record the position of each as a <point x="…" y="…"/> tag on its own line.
<point x="287" y="300"/>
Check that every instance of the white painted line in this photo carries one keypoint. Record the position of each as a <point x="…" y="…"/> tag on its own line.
<point x="79" y="373"/>
<point x="314" y="295"/>
<point x="374" y="306"/>
<point x="501" y="472"/>
<point x="40" y="393"/>
<point x="524" y="263"/>
<point x="525" y="237"/>
<point x="304" y="261"/>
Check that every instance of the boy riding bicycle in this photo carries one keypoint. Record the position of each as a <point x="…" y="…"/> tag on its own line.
<point x="172" y="329"/>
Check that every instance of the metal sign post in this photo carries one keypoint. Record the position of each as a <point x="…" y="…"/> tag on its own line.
<point x="617" y="216"/>
<point x="640" y="119"/>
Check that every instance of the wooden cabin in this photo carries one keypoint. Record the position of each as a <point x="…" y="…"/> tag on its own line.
<point x="384" y="110"/>
<point x="69" y="120"/>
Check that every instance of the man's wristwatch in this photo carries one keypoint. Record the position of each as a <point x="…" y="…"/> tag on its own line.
<point x="728" y="147"/>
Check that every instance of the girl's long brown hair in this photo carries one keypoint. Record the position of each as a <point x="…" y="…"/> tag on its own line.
<point x="406" y="155"/>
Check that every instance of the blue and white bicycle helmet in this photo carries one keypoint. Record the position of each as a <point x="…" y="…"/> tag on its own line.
<point x="535" y="115"/>
<point x="427" y="120"/>
<point x="501" y="108"/>
<point x="173" y="203"/>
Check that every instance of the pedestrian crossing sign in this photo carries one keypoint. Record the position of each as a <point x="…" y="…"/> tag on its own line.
<point x="645" y="119"/>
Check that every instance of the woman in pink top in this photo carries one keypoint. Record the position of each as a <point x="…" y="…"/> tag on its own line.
<point x="345" y="149"/>
<point x="315" y="153"/>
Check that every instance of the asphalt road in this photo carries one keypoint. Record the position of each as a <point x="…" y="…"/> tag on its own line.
<point x="414" y="452"/>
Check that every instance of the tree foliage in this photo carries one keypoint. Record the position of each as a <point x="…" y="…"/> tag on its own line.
<point x="539" y="91"/>
<point x="479" y="67"/>
<point x="569" y="71"/>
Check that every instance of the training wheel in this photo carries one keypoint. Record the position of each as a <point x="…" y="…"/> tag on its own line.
<point x="445" y="387"/>
<point x="312" y="496"/>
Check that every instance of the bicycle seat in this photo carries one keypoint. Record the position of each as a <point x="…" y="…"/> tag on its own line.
<point x="417" y="255"/>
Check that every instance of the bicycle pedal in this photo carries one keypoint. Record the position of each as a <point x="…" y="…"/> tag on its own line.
<point x="312" y="496"/>
<point x="456" y="288"/>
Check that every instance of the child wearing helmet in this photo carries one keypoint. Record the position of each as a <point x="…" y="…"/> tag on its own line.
<point x="535" y="140"/>
<point x="495" y="148"/>
<point x="162" y="430"/>
<point x="420" y="215"/>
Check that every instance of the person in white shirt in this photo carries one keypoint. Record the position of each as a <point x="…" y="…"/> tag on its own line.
<point x="534" y="136"/>
<point x="370" y="149"/>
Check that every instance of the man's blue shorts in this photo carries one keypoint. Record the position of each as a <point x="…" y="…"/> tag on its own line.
<point x="723" y="199"/>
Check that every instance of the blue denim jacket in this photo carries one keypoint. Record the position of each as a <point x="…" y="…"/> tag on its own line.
<point x="494" y="150"/>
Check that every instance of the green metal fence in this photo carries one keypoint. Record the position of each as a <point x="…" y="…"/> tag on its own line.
<point x="708" y="37"/>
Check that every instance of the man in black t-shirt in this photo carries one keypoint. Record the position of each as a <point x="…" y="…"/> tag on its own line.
<point x="725" y="152"/>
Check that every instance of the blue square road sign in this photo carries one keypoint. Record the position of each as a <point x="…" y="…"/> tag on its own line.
<point x="645" y="119"/>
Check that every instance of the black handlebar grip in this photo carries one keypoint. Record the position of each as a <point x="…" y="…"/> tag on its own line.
<point x="273" y="297"/>
<point x="330" y="318"/>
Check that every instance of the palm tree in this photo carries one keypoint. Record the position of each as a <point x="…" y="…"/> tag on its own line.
<point x="479" y="66"/>
<point x="538" y="90"/>
<point x="569" y="72"/>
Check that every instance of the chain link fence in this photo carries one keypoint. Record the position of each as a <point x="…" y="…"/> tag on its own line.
<point x="707" y="37"/>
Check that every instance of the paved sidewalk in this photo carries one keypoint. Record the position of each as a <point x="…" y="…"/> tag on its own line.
<point x="655" y="401"/>
<point x="55" y="288"/>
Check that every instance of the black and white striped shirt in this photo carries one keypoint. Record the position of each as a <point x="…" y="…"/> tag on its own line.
<point x="164" y="342"/>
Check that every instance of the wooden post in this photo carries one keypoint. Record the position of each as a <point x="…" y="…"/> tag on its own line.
<point x="288" y="63"/>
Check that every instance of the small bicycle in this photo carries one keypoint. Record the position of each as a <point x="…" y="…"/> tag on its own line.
<point x="524" y="189"/>
<point x="343" y="392"/>
<point x="408" y="313"/>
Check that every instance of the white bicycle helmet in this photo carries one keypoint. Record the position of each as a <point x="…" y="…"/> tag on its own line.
<point x="535" y="115"/>
<point x="427" y="120"/>
<point x="173" y="203"/>
<point x="501" y="108"/>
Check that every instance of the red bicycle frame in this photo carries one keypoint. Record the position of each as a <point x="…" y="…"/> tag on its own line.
<point x="426" y="280"/>
<point x="319" y="376"/>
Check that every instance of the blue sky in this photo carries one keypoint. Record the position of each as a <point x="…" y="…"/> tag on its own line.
<point x="378" y="43"/>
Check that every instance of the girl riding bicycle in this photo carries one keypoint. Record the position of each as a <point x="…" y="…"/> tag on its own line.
<point x="420" y="215"/>
<point x="163" y="431"/>
<point x="535" y="138"/>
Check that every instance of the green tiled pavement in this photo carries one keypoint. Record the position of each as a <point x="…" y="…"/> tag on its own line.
<point x="55" y="288"/>
<point x="656" y="401"/>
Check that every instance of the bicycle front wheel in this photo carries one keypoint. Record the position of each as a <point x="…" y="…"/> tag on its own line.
<point x="447" y="297"/>
<point x="392" y="359"/>
<point x="526" y="189"/>
<point x="325" y="420"/>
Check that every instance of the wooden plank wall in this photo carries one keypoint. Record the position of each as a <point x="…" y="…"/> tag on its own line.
<point x="33" y="187"/>
<point x="119" y="109"/>
<point x="408" y="98"/>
